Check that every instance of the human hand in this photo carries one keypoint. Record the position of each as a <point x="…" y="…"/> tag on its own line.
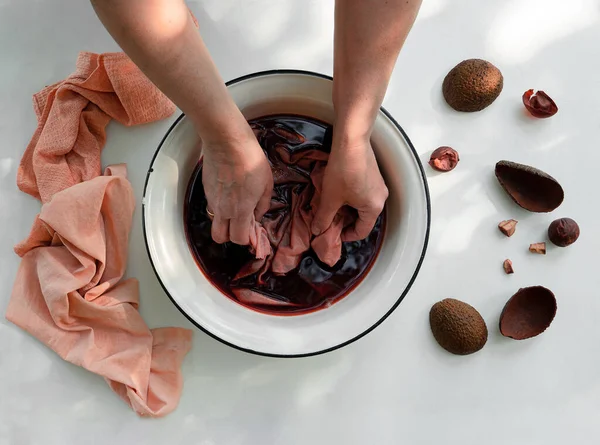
<point x="238" y="184"/>
<point x="352" y="178"/>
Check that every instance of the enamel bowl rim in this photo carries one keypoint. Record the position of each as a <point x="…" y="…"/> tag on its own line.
<point x="405" y="291"/>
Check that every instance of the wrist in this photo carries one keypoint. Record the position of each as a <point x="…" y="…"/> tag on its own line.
<point x="354" y="122"/>
<point x="355" y="108"/>
<point x="352" y="134"/>
<point x="228" y="131"/>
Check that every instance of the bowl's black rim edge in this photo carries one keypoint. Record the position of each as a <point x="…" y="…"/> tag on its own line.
<point x="362" y="334"/>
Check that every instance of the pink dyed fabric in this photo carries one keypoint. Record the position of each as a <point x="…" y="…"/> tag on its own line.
<point x="72" y="118"/>
<point x="283" y="236"/>
<point x="69" y="291"/>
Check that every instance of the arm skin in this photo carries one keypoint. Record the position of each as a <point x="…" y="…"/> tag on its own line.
<point x="161" y="39"/>
<point x="368" y="37"/>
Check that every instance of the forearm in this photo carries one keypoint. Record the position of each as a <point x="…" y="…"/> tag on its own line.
<point x="160" y="37"/>
<point x="368" y="37"/>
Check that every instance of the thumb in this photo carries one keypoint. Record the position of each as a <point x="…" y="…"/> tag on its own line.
<point x="324" y="216"/>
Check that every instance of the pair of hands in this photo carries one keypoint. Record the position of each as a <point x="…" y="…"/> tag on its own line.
<point x="238" y="184"/>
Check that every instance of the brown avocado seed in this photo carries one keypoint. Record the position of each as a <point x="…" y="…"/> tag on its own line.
<point x="472" y="85"/>
<point x="563" y="232"/>
<point x="457" y="326"/>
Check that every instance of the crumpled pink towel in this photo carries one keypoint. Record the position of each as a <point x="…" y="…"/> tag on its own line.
<point x="72" y="117"/>
<point x="69" y="294"/>
<point x="69" y="291"/>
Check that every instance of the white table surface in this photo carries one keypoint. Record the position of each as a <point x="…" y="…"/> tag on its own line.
<point x="396" y="385"/>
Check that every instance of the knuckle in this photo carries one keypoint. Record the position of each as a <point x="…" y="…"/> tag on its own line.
<point x="380" y="203"/>
<point x="377" y="207"/>
<point x="386" y="194"/>
<point x="224" y="212"/>
<point x="244" y="214"/>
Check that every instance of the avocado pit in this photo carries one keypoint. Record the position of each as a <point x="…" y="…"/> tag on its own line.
<point x="472" y="85"/>
<point x="457" y="326"/>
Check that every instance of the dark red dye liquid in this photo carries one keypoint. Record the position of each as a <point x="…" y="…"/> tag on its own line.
<point x="312" y="285"/>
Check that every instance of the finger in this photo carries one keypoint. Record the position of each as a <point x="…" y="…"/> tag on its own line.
<point x="239" y="230"/>
<point x="220" y="230"/>
<point x="361" y="228"/>
<point x="263" y="204"/>
<point x="324" y="216"/>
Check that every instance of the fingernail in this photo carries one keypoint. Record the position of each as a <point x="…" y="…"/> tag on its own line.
<point x="316" y="231"/>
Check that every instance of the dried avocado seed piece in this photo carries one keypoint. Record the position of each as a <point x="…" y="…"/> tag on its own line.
<point x="528" y="313"/>
<point x="457" y="326"/>
<point x="508" y="226"/>
<point x="444" y="159"/>
<point x="532" y="189"/>
<point x="538" y="248"/>
<point x="539" y="104"/>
